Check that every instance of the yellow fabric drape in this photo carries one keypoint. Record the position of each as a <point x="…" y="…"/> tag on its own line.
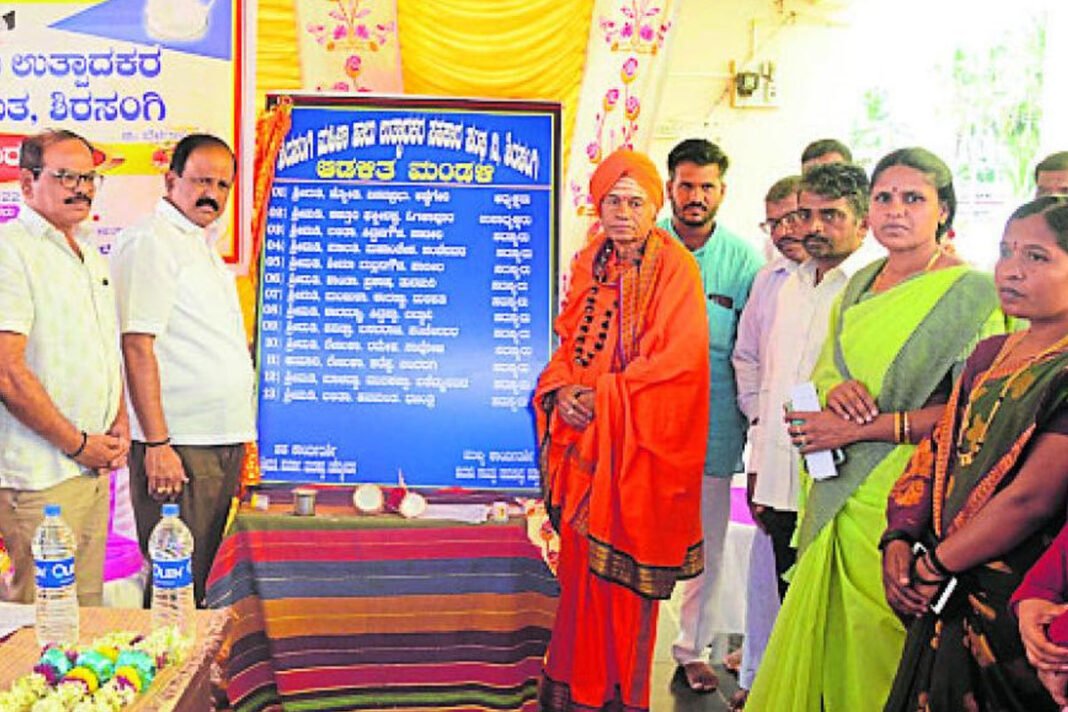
<point x="277" y="67"/>
<point x="519" y="49"/>
<point x="277" y="56"/>
<point x="515" y="49"/>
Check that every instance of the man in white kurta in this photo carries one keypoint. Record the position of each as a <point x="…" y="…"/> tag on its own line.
<point x="750" y="355"/>
<point x="188" y="366"/>
<point x="796" y="338"/>
<point x="63" y="423"/>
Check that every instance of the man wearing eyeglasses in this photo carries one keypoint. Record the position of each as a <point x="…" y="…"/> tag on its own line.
<point x="63" y="423"/>
<point x="187" y="361"/>
<point x="782" y="228"/>
<point x="728" y="264"/>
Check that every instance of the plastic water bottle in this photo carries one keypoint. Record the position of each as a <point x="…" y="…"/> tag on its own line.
<point x="57" y="597"/>
<point x="171" y="549"/>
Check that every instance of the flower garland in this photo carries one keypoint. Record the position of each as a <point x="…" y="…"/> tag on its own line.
<point x="105" y="676"/>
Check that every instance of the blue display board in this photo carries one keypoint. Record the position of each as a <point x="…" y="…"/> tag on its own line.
<point x="407" y="290"/>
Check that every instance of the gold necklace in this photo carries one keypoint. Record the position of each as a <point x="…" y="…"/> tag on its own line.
<point x="876" y="285"/>
<point x="976" y="432"/>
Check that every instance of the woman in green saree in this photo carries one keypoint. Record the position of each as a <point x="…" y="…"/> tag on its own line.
<point x="902" y="325"/>
<point x="986" y="493"/>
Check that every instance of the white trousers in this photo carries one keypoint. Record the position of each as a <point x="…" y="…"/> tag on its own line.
<point x="761" y="607"/>
<point x="696" y="615"/>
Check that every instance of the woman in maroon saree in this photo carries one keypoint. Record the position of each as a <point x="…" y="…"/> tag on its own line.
<point x="985" y="494"/>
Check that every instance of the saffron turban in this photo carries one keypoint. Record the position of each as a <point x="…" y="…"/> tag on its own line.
<point x="623" y="162"/>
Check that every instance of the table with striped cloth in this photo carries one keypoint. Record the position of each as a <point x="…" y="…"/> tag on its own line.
<point x="347" y="612"/>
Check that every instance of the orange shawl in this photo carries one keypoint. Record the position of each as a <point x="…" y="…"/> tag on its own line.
<point x="631" y="481"/>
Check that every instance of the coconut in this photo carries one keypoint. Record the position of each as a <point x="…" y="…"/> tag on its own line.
<point x="368" y="499"/>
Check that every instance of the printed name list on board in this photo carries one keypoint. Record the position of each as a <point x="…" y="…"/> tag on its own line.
<point x="407" y="290"/>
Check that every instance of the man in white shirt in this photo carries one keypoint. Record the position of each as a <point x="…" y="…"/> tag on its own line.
<point x="187" y="361"/>
<point x="832" y="210"/>
<point x="781" y="226"/>
<point x="63" y="422"/>
<point x="750" y="352"/>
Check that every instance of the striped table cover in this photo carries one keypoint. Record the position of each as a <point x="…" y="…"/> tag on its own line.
<point x="347" y="612"/>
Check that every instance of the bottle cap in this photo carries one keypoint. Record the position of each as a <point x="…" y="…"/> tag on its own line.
<point x="170" y="509"/>
<point x="51" y="510"/>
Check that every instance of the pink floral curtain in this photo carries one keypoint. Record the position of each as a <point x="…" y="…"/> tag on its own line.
<point x="625" y="64"/>
<point x="349" y="45"/>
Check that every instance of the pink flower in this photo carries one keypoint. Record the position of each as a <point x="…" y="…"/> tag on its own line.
<point x="629" y="69"/>
<point x="610" y="98"/>
<point x="646" y="33"/>
<point x="352" y="65"/>
<point x="633" y="108"/>
<point x="593" y="150"/>
<point x="340" y="31"/>
<point x="362" y="32"/>
<point x="340" y="86"/>
<point x="627" y="30"/>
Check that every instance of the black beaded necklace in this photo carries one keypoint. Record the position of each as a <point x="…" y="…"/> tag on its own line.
<point x="584" y="355"/>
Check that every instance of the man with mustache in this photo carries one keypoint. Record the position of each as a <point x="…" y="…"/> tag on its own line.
<point x="750" y="354"/>
<point x="781" y="227"/>
<point x="832" y="216"/>
<point x="187" y="361"/>
<point x="728" y="264"/>
<point x="63" y="422"/>
<point x="829" y="213"/>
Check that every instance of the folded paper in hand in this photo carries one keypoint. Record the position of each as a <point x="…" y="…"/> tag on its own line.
<point x="820" y="464"/>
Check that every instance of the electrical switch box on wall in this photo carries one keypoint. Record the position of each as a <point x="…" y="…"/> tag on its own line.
<point x="753" y="86"/>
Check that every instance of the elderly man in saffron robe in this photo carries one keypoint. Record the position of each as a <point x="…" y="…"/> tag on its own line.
<point x="622" y="413"/>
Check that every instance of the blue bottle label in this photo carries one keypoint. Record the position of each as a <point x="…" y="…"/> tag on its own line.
<point x="54" y="573"/>
<point x="172" y="574"/>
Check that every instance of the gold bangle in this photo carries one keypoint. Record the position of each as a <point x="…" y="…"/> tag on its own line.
<point x="907" y="427"/>
<point x="898" y="429"/>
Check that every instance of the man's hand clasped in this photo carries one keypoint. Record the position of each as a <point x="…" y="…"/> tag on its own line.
<point x="103" y="452"/>
<point x="575" y="403"/>
<point x="166" y="476"/>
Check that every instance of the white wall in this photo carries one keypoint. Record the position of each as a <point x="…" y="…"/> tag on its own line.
<point x="763" y="144"/>
<point x="826" y="53"/>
